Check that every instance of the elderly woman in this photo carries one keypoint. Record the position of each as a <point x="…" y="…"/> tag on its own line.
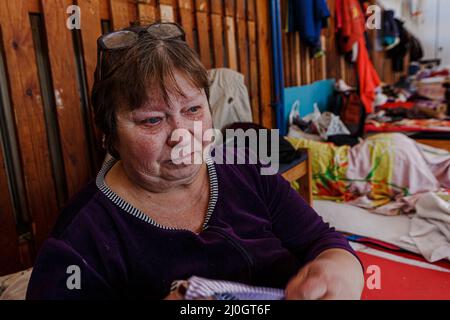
<point x="148" y="220"/>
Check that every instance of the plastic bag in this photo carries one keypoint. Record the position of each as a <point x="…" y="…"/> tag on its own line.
<point x="327" y="124"/>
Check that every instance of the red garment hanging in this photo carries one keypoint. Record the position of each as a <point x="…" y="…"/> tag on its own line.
<point x="352" y="30"/>
<point x="368" y="77"/>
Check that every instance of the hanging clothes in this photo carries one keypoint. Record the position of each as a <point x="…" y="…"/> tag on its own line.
<point x="391" y="32"/>
<point x="415" y="50"/>
<point x="398" y="53"/>
<point x="228" y="98"/>
<point x="352" y="33"/>
<point x="308" y="17"/>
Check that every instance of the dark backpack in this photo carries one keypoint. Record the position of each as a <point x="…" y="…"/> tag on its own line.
<point x="349" y="107"/>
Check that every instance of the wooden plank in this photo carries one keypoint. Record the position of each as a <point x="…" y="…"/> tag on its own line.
<point x="90" y="31"/>
<point x="308" y="65"/>
<point x="286" y="59"/>
<point x="242" y="40"/>
<point x="202" y="6"/>
<point x="296" y="172"/>
<point x="217" y="26"/>
<point x="230" y="8"/>
<point x="186" y="8"/>
<point x="441" y="144"/>
<point x="33" y="6"/>
<point x="9" y="241"/>
<point x="132" y="12"/>
<point x="305" y="182"/>
<point x="302" y="173"/>
<point x="147" y="12"/>
<point x="323" y="60"/>
<point x="217" y="7"/>
<point x="312" y="63"/>
<point x="166" y="10"/>
<point x="265" y="64"/>
<point x="298" y="60"/>
<point x="251" y="14"/>
<point x="68" y="107"/>
<point x="331" y="45"/>
<point x="231" y="43"/>
<point x="254" y="72"/>
<point x="230" y="33"/>
<point x="119" y="14"/>
<point x="29" y="117"/>
<point x="104" y="10"/>
<point x="253" y="61"/>
<point x="292" y="65"/>
<point x="241" y="12"/>
<point x="202" y="15"/>
<point x="218" y="41"/>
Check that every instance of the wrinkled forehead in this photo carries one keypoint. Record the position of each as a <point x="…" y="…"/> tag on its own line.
<point x="156" y="102"/>
<point x="175" y="98"/>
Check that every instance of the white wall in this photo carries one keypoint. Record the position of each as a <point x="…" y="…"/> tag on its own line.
<point x="432" y="28"/>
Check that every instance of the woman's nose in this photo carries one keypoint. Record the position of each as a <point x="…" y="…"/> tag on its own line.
<point x="178" y="133"/>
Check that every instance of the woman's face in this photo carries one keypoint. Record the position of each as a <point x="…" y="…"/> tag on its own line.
<point x="144" y="138"/>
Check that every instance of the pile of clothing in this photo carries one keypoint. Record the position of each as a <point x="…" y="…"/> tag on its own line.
<point x="421" y="95"/>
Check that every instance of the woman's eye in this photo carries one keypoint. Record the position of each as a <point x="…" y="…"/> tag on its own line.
<point x="152" y="121"/>
<point x="194" y="109"/>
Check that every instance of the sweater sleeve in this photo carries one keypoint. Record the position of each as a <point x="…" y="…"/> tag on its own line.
<point x="297" y="225"/>
<point x="61" y="273"/>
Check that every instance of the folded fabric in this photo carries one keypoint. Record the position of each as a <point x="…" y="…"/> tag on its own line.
<point x="201" y="288"/>
<point x="430" y="228"/>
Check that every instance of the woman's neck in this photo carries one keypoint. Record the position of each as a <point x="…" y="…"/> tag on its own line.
<point x="143" y="196"/>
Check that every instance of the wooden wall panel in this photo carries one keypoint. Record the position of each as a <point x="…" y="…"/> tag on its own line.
<point x="26" y="99"/>
<point x="187" y="18"/>
<point x="67" y="99"/>
<point x="265" y="63"/>
<point x="230" y="33"/>
<point x="119" y="14"/>
<point x="254" y="72"/>
<point x="167" y="10"/>
<point x="217" y="22"/>
<point x="147" y="12"/>
<point x="241" y="16"/>
<point x="90" y="31"/>
<point x="203" y="27"/>
<point x="9" y="241"/>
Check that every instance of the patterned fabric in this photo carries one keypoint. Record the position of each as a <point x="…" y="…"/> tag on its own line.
<point x="381" y="169"/>
<point x="329" y="166"/>
<point x="202" y="288"/>
<point x="14" y="286"/>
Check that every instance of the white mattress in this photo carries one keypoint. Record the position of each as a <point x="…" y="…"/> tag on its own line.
<point x="355" y="220"/>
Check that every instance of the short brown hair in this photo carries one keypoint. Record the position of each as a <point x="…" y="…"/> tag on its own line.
<point x="128" y="74"/>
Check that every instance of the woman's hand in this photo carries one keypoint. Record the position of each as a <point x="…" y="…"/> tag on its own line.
<point x="334" y="274"/>
<point x="174" y="295"/>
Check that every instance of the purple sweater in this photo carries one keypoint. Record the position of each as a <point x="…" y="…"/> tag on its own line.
<point x="257" y="231"/>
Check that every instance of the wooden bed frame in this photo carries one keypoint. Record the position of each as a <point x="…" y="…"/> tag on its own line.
<point x="302" y="173"/>
<point x="441" y="144"/>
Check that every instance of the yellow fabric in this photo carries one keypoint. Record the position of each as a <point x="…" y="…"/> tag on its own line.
<point x="330" y="164"/>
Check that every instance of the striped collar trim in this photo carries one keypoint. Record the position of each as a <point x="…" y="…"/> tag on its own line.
<point x="127" y="207"/>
